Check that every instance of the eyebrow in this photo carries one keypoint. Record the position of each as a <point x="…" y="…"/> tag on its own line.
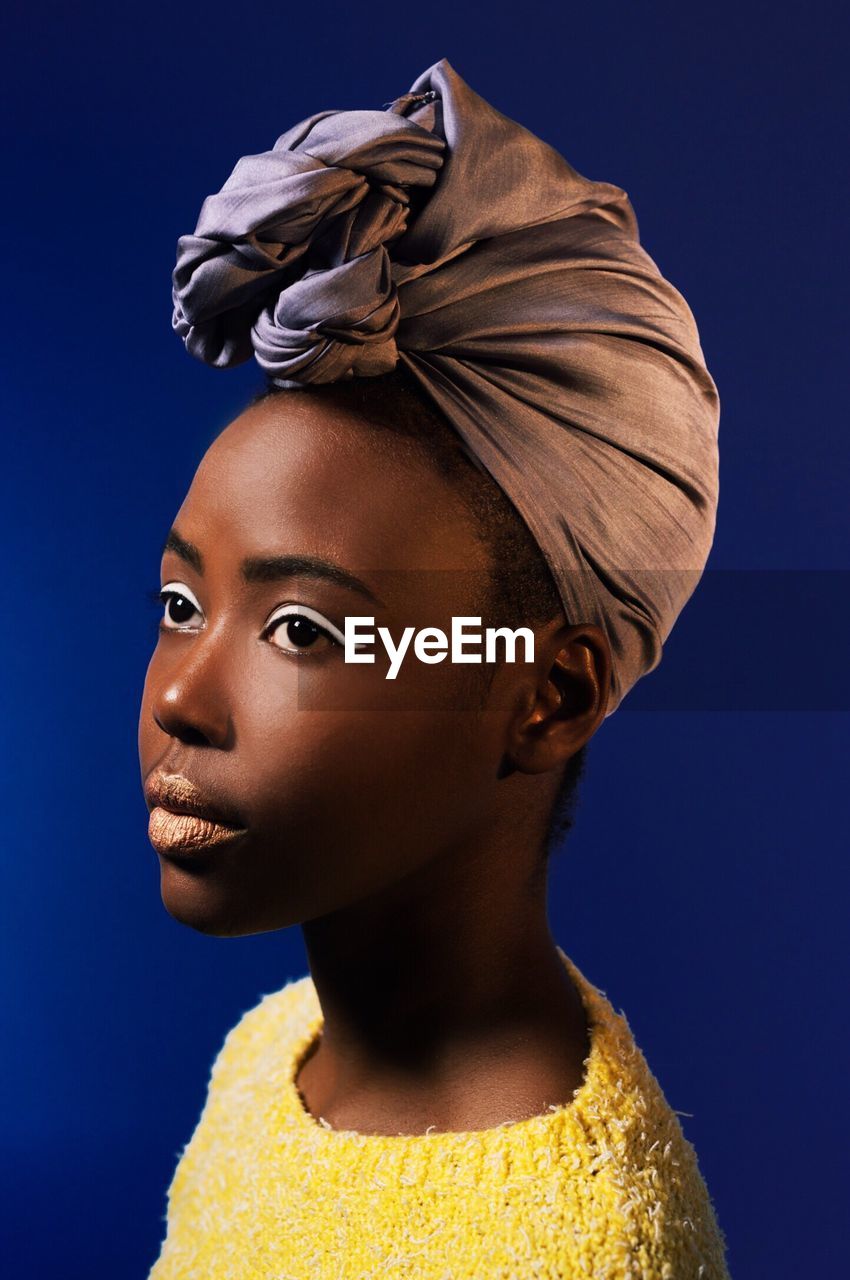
<point x="272" y="568"/>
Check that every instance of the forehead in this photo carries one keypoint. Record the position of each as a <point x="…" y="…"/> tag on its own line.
<point x="293" y="475"/>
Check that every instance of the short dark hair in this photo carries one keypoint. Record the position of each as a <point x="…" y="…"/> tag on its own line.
<point x="522" y="589"/>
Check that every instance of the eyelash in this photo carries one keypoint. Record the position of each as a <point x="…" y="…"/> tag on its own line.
<point x="160" y="598"/>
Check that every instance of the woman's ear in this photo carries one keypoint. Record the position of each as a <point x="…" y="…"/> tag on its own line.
<point x="565" y="700"/>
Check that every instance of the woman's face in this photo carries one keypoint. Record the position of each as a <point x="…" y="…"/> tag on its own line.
<point x="340" y="780"/>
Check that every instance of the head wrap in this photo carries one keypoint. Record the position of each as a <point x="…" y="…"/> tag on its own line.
<point x="439" y="233"/>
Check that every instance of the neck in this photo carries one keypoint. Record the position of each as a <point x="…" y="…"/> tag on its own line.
<point x="445" y="992"/>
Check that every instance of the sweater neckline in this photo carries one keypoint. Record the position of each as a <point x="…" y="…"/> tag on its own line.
<point x="584" y="1102"/>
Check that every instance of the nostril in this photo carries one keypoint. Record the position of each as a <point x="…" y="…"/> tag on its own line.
<point x="177" y="728"/>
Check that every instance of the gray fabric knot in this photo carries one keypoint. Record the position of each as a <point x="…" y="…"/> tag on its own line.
<point x="288" y="261"/>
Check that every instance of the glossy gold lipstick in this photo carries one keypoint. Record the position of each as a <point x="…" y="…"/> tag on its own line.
<point x="185" y="831"/>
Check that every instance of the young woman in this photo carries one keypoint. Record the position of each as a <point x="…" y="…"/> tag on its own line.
<point x="449" y="433"/>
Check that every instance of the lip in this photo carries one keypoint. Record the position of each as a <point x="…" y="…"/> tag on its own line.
<point x="185" y="818"/>
<point x="185" y="833"/>
<point x="177" y="793"/>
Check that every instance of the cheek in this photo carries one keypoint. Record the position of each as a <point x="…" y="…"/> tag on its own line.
<point x="369" y="784"/>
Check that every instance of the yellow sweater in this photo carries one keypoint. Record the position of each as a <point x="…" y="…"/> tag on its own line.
<point x="605" y="1187"/>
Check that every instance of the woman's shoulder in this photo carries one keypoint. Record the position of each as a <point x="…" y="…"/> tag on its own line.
<point x="270" y="1025"/>
<point x="240" y="1073"/>
<point x="644" y="1170"/>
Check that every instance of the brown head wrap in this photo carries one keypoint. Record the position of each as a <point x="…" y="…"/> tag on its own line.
<point x="439" y="233"/>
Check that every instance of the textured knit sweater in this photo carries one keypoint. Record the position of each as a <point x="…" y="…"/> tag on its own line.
<point x="604" y="1186"/>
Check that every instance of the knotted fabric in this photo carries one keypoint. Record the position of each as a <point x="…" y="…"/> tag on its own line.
<point x="439" y="233"/>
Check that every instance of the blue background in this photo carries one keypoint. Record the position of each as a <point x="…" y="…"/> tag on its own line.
<point x="704" y="888"/>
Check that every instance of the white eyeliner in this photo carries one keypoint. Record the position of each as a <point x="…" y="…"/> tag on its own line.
<point x="303" y="610"/>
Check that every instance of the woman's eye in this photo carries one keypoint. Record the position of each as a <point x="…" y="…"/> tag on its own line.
<point x="299" y="629"/>
<point x="179" y="608"/>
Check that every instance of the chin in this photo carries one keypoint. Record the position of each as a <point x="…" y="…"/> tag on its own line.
<point x="192" y="897"/>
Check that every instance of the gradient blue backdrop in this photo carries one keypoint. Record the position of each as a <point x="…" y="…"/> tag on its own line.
<point x="705" y="887"/>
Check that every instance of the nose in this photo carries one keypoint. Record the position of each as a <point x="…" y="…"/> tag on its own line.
<point x="192" y="702"/>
